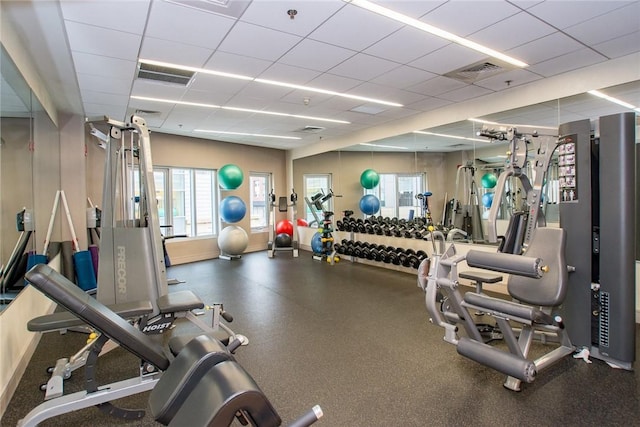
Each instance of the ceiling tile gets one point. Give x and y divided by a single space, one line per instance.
289 74
154 89
436 86
512 31
403 77
237 64
620 46
606 27
273 14
100 41
466 17
514 77
406 45
563 14
94 97
333 82
570 61
104 84
113 111
342 29
176 53
429 104
185 25
130 16
364 67
273 44
315 55
449 58
218 90
545 48
86 63
467 92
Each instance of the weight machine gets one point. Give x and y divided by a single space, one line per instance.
521 144
283 206
131 266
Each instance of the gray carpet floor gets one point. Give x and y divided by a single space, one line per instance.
356 340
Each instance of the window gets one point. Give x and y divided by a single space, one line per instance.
191 208
397 194
314 184
259 203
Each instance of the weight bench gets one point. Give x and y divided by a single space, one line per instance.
194 363
171 307
537 283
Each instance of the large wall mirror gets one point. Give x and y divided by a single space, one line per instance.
440 152
23 126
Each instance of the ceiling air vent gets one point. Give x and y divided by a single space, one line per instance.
478 71
146 113
310 129
164 74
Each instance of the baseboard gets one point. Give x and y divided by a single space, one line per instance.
13 382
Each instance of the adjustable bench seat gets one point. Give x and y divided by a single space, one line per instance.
179 301
66 320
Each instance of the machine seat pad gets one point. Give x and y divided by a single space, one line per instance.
61 290
179 301
65 320
508 308
226 389
479 276
177 382
177 343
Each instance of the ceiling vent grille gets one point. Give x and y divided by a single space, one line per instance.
229 8
164 74
310 129
478 71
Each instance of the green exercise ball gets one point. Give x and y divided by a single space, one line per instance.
230 177
489 180
369 179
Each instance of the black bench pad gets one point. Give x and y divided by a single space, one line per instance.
179 301
67 294
66 320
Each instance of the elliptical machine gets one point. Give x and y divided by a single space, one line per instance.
276 241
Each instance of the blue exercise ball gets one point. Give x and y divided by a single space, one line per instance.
369 204
487 200
232 209
316 243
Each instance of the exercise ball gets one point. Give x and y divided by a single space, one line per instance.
489 180
230 177
233 240
369 204
487 200
283 240
302 222
284 226
369 179
232 209
316 243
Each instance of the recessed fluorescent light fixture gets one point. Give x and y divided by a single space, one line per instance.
487 122
365 4
245 134
244 110
269 82
383 146
421 132
614 100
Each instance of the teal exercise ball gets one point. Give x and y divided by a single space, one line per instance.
489 180
369 204
487 200
230 177
232 209
369 179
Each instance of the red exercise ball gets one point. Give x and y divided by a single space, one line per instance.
302 222
284 226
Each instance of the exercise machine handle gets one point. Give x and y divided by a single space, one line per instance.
226 316
309 418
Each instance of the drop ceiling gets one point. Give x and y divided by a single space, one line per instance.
89 53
